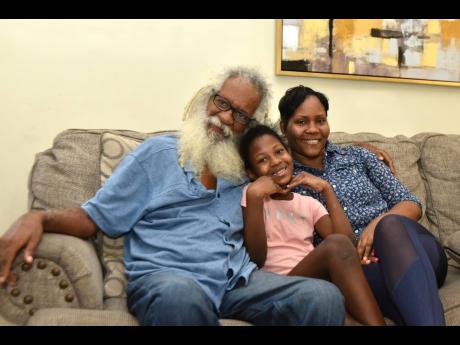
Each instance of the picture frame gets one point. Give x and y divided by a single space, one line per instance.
420 51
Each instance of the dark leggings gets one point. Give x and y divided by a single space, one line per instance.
412 266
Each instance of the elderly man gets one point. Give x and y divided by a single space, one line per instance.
177 202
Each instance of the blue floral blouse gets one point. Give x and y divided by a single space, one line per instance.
363 184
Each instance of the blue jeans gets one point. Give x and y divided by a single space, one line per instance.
269 299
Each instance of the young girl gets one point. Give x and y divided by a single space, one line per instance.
279 224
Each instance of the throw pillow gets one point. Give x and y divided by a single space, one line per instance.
114 148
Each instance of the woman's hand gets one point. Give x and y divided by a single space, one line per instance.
365 244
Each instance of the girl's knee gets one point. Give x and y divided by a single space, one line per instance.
339 243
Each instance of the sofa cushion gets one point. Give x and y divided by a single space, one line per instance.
113 149
440 166
67 174
453 246
450 296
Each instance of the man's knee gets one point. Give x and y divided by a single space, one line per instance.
174 300
320 302
330 303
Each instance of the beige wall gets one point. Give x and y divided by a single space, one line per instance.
139 74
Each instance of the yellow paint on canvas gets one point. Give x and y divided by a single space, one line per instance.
311 32
430 53
388 57
351 67
343 30
348 31
362 27
450 32
361 46
433 27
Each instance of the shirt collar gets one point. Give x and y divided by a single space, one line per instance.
333 148
329 152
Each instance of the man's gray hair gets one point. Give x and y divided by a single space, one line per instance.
252 75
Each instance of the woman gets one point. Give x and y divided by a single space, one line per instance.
404 264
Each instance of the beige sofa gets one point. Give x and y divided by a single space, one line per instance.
81 282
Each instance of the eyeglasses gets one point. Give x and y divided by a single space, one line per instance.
224 105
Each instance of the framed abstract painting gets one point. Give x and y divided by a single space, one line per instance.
423 51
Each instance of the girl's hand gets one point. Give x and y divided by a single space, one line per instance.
308 180
264 186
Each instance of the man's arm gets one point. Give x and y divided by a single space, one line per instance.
27 232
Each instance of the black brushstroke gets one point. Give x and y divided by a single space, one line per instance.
386 33
331 39
295 65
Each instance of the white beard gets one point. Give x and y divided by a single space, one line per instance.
206 148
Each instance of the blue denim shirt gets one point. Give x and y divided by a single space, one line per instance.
364 185
171 222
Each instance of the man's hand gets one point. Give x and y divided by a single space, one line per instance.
25 232
381 154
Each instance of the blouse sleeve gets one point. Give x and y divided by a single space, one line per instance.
392 190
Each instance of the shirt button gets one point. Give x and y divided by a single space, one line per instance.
356 231
324 174
333 186
345 208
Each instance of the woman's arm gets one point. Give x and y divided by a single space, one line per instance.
365 243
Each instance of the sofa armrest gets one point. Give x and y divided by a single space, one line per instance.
65 273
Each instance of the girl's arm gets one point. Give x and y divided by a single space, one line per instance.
255 237
337 222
